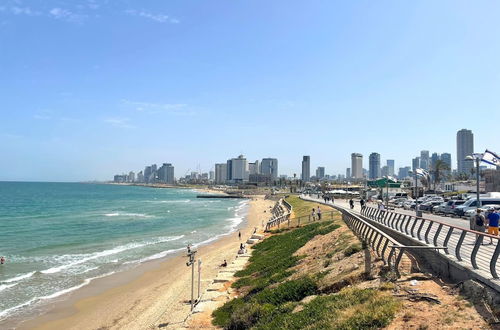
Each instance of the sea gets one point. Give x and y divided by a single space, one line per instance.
58 237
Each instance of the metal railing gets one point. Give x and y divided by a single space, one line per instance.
276 221
465 244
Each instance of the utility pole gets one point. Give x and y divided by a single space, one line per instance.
191 254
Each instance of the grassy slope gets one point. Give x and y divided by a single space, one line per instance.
270 299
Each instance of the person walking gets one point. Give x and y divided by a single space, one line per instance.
319 213
239 234
493 220
313 214
479 223
351 203
362 203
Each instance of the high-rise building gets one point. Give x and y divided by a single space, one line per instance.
220 173
131 177
320 172
253 168
434 158
446 158
229 169
390 167
424 159
348 173
404 172
374 166
415 163
269 166
140 177
465 147
306 168
384 171
356 166
239 169
211 175
166 173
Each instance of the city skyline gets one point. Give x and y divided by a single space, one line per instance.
106 87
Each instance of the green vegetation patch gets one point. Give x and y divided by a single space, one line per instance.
272 257
349 309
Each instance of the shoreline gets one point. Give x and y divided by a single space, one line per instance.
154 292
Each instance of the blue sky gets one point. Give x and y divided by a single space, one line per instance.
93 88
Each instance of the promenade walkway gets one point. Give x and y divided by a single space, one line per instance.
434 234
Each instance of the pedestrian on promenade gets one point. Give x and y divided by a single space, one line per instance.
479 222
351 203
493 220
362 203
319 213
313 214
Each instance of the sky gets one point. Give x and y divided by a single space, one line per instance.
93 88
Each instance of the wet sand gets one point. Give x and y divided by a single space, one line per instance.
153 294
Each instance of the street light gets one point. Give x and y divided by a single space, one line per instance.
477 159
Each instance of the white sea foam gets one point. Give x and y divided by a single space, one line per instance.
6 286
135 215
87 257
8 311
19 277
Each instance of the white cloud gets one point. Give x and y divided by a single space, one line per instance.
153 108
119 122
160 18
66 15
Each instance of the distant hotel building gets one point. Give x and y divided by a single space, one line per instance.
374 166
320 173
306 169
356 166
220 173
269 166
166 173
415 163
390 167
465 147
424 159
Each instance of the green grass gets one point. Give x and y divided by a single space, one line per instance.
271 300
272 258
301 207
349 309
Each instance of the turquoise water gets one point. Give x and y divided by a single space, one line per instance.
57 237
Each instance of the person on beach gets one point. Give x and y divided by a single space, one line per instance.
2 260
313 214
239 235
224 264
319 213
493 220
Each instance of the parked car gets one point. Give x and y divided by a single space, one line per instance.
440 208
428 206
471 204
451 205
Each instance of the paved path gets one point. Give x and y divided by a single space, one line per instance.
484 254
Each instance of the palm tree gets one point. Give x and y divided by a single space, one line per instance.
438 170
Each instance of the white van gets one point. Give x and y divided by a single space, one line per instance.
472 204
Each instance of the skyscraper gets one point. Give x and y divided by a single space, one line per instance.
356 166
348 173
220 173
465 147
320 172
446 158
239 169
434 158
269 166
424 159
166 173
415 163
374 166
306 168
390 167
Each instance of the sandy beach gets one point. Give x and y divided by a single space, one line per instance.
153 294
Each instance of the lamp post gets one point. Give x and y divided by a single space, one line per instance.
477 159
191 254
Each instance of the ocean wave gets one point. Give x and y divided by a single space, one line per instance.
171 202
19 277
135 215
6 286
87 257
8 311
